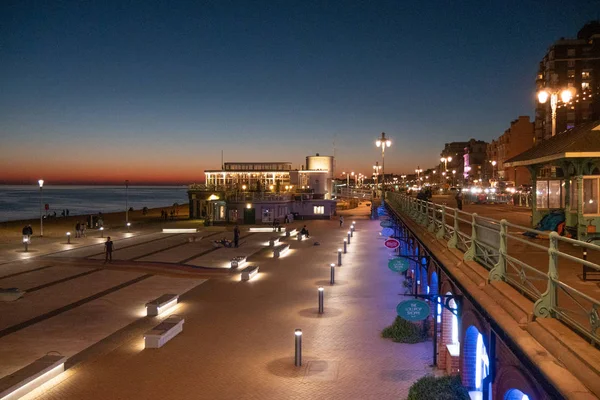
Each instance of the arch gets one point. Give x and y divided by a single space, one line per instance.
516 394
511 380
449 336
476 363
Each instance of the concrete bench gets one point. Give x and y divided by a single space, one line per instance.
280 250
274 241
301 236
160 305
30 377
249 272
179 230
163 332
292 232
238 261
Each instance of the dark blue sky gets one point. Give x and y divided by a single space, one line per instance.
159 88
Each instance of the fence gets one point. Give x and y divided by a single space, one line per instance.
533 267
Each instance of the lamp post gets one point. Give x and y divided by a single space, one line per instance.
446 160
127 203
493 169
418 171
41 183
383 142
453 177
565 95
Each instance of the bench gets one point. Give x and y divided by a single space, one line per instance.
160 305
163 332
301 236
30 377
280 250
249 272
179 230
267 229
274 241
238 261
292 232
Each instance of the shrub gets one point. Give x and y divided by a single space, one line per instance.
440 388
404 331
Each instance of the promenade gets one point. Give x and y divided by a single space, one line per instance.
238 337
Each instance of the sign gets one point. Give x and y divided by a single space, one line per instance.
413 310
387 232
47 206
391 244
386 223
398 264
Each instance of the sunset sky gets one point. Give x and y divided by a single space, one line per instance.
152 91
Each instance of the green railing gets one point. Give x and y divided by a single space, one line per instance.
529 265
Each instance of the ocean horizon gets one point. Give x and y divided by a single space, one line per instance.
20 202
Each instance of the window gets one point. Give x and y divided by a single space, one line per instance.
571 63
554 196
585 85
590 195
571 52
585 75
571 74
319 209
541 198
574 195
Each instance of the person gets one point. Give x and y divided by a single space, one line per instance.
78 229
108 249
27 231
304 231
67 212
459 199
236 236
83 228
341 221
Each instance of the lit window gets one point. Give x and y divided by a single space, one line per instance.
571 73
319 209
585 75
590 196
585 85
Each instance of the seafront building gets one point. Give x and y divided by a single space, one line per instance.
262 192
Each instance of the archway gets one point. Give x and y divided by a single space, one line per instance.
476 362
515 394
449 346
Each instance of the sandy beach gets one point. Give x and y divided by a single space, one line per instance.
10 231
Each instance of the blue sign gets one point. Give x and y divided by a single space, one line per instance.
413 310
387 232
398 264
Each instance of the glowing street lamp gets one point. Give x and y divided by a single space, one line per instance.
565 95
127 202
41 183
446 160
383 142
493 162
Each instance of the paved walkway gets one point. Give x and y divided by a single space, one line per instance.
238 338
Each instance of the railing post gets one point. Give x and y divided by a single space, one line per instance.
498 273
453 242
425 213
544 307
442 231
472 251
431 227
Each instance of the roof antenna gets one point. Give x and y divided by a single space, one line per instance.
222 165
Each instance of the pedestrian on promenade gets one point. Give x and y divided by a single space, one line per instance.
341 221
78 229
28 231
67 212
459 199
108 249
304 231
236 236
83 228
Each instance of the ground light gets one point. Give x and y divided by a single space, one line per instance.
320 290
68 237
101 231
298 347
345 246
332 274
339 257
26 243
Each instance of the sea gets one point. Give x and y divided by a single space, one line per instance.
23 202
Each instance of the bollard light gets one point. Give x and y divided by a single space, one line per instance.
321 299
128 225
348 237
351 231
332 275
339 257
102 231
345 246
26 243
68 237
298 348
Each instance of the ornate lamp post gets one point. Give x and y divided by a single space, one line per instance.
41 183
565 95
383 142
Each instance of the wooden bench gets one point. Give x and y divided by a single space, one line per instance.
249 272
160 305
278 251
163 332
238 261
30 377
292 232
179 230
274 241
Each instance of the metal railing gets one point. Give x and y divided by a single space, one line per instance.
508 252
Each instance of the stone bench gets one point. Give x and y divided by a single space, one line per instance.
30 377
159 305
163 332
301 236
238 261
274 241
266 229
292 232
179 230
249 272
278 251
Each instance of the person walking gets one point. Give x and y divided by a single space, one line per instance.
83 228
108 249
78 229
341 221
236 236
459 200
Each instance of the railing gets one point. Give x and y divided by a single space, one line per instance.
531 266
355 193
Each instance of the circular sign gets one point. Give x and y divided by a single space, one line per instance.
398 264
413 310
386 224
387 232
391 243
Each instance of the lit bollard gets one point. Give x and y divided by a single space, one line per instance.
298 348
352 231
348 237
345 246
101 231
332 277
128 226
321 299
339 257
26 243
68 237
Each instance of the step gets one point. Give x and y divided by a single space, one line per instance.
511 301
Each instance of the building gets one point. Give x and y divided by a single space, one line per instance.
262 192
474 160
572 64
515 140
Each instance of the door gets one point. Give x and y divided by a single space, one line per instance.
249 216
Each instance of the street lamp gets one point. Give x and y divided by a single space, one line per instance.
493 169
41 183
127 202
446 160
565 95
453 177
418 171
383 142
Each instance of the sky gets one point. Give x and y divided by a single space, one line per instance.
153 91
